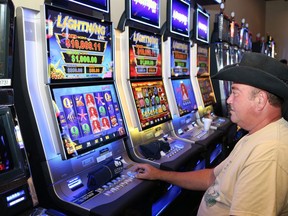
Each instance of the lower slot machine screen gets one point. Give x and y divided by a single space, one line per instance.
151 103
207 91
184 95
11 161
88 116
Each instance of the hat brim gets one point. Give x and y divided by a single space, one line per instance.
253 77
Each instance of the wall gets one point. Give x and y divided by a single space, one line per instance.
276 25
253 12
33 4
264 17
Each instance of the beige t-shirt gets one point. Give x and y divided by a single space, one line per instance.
253 180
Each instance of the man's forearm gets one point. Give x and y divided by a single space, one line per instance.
192 180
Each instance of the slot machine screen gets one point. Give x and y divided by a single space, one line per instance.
247 38
151 103
144 12
234 33
244 38
101 5
184 95
225 29
237 35
207 91
202 26
6 42
179 17
11 161
78 46
88 116
145 58
180 58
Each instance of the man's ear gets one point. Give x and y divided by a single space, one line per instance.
262 99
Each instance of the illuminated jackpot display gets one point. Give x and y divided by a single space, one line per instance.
180 58
151 103
203 76
203 61
78 47
144 54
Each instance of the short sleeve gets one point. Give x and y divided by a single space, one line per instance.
256 191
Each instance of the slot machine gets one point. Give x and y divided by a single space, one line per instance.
70 105
220 57
215 142
227 47
142 90
144 96
234 40
177 76
16 184
244 37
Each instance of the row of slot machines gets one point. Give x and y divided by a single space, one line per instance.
87 101
229 41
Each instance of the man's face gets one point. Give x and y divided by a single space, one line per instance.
242 105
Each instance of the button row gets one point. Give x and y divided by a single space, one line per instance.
117 184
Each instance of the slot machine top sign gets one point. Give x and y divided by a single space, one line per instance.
78 47
145 12
100 5
202 26
179 17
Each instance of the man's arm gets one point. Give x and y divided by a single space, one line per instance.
192 180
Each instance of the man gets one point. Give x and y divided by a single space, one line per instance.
253 179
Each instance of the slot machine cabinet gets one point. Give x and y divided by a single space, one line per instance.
225 50
176 70
142 89
220 57
74 122
234 40
16 184
202 67
143 95
181 93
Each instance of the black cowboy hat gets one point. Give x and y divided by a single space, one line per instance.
260 71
